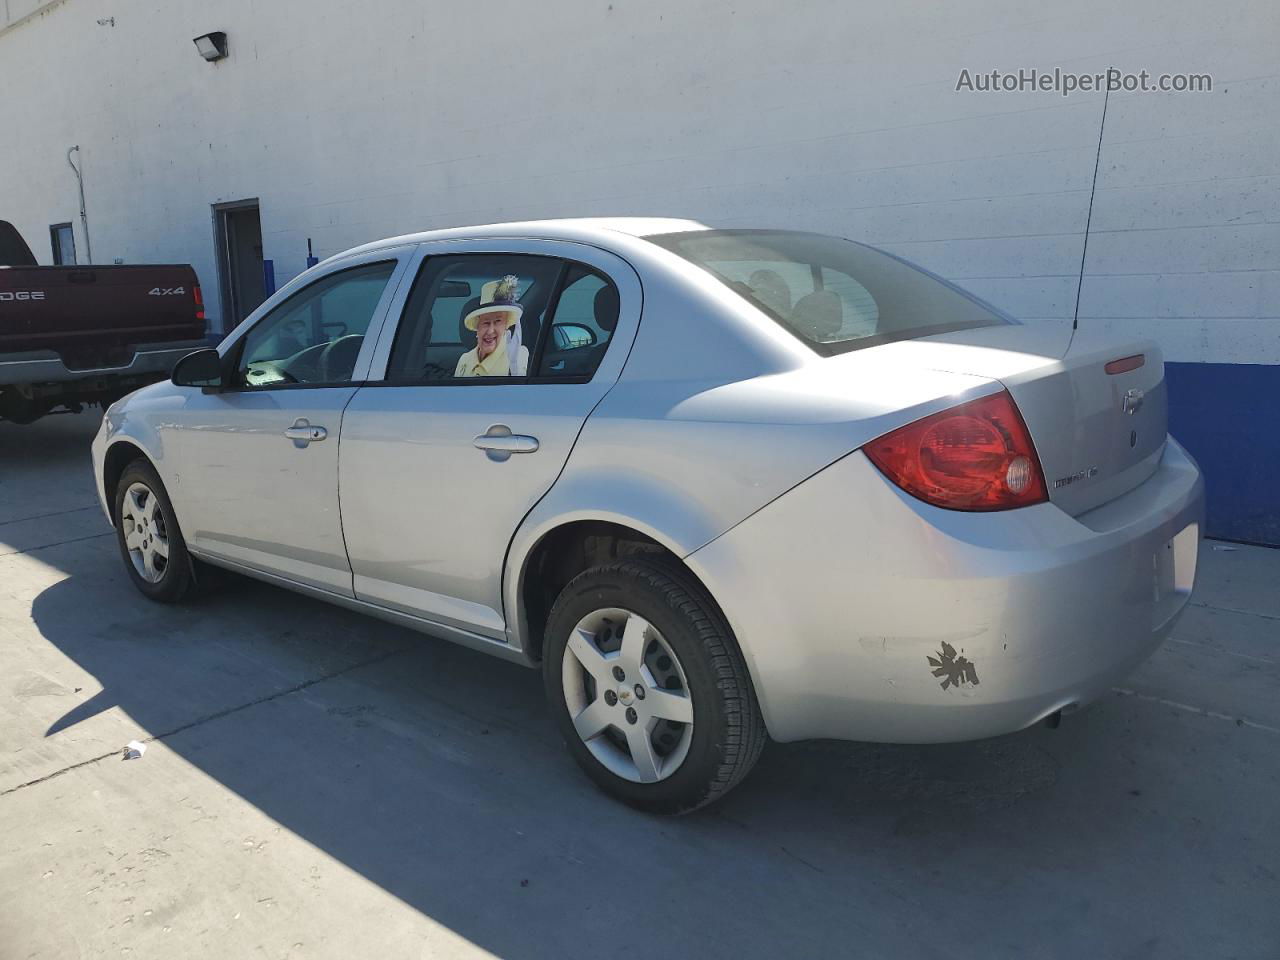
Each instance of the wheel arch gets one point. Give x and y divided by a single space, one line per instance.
118 456
562 550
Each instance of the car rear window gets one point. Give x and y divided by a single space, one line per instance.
835 295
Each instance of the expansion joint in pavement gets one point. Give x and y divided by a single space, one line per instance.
59 543
214 716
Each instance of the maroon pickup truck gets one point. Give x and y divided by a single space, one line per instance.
71 336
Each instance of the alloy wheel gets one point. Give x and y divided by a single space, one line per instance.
627 695
146 535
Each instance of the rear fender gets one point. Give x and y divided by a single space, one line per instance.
665 514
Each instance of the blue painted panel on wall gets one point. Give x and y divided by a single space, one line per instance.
1228 416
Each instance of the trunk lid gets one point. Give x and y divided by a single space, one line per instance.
1098 434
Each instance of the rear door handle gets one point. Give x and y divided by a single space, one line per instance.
499 443
303 432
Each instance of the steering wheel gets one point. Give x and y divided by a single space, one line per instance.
350 342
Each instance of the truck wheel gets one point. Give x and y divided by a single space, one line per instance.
649 688
17 407
150 539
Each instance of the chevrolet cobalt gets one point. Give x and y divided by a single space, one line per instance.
717 485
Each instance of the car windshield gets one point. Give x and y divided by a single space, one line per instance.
835 295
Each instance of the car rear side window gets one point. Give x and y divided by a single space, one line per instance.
833 294
483 317
586 313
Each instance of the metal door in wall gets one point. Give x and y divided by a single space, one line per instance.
237 229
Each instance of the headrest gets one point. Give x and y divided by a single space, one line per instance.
465 334
821 312
606 308
770 289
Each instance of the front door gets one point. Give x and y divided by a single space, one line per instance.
496 364
257 462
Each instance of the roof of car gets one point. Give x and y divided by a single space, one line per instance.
586 229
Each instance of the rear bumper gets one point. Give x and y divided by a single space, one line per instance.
865 614
45 366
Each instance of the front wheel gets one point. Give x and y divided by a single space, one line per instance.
150 540
649 688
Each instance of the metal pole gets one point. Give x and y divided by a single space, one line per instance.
84 217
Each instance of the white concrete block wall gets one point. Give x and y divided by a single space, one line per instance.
354 121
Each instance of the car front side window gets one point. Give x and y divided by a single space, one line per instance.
315 335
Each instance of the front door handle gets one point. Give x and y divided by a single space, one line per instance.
303 432
499 443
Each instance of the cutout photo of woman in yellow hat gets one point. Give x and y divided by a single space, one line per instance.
496 322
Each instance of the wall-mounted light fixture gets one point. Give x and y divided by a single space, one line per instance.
212 46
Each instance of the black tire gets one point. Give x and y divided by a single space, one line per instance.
176 581
728 731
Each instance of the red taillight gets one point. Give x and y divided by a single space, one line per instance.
195 288
977 456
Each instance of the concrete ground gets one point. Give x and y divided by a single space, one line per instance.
321 785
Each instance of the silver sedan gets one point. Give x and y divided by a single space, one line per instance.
717 485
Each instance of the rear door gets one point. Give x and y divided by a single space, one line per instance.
439 467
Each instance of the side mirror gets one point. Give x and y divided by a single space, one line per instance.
200 369
570 336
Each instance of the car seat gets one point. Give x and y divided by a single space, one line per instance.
605 306
820 314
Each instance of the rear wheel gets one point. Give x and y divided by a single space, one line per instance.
150 540
649 688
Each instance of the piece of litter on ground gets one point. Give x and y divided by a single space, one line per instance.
134 749
1223 548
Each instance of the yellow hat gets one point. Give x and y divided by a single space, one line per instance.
497 296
